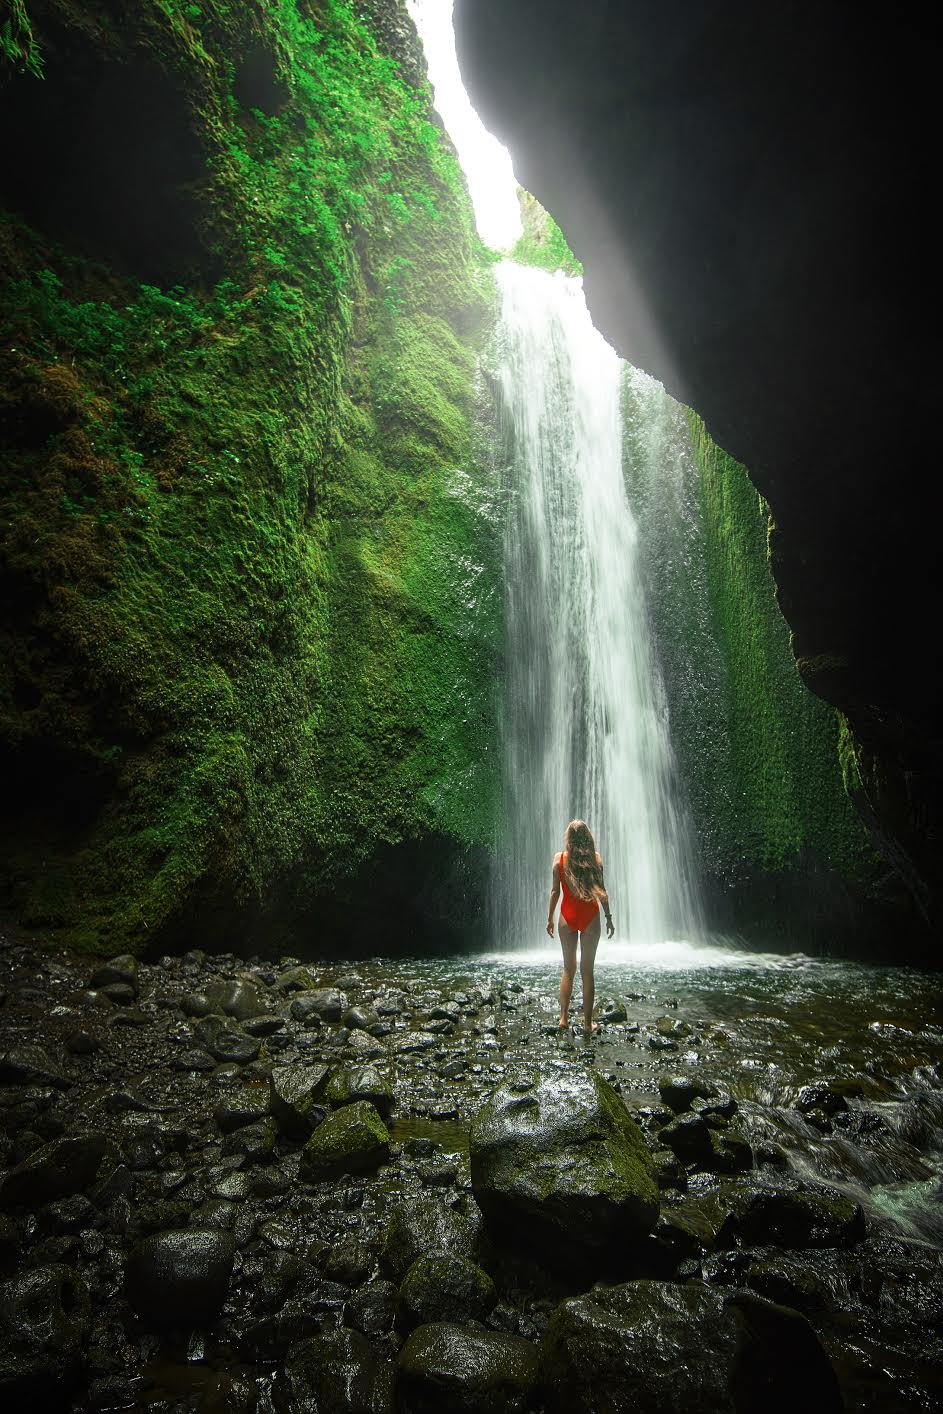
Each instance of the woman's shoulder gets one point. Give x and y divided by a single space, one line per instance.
599 858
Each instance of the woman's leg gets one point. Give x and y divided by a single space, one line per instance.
589 941
568 944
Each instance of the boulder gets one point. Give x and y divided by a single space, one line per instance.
237 998
760 1214
26 1064
556 1157
119 971
226 1041
689 1138
247 1105
679 1092
689 1349
425 1224
180 1277
337 1372
292 1089
451 1367
59 1169
352 1140
327 1003
443 1287
45 1317
348 1084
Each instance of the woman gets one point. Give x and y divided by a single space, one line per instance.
578 871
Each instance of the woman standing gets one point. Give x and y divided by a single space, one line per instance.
577 870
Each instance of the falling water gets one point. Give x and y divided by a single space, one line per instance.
585 724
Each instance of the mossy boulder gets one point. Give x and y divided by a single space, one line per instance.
650 1345
558 1157
446 1366
338 1371
426 1225
443 1287
351 1140
348 1084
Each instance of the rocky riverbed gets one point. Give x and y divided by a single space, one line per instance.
253 1185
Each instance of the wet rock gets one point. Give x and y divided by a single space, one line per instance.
26 1064
180 1277
296 979
254 1142
689 1138
305 1011
82 1043
196 1004
117 971
445 1366
349 1261
237 998
821 1096
45 1317
425 1224
292 1090
682 1350
266 1025
247 1106
57 1170
729 1154
717 1106
443 1287
348 1084
412 1042
359 1018
120 994
371 1309
194 1058
760 1215
327 1003
553 1155
350 1140
227 1041
779 1365
679 1092
612 1013
789 1283
339 1371
669 1170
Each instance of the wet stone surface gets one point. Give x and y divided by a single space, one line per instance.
246 1185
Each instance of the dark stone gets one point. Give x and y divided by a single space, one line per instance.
237 998
679 1092
120 994
45 1317
180 1277
196 1004
820 1097
82 1043
443 1287
247 1105
556 1154
760 1215
120 971
359 1018
325 1003
292 1089
689 1138
371 1309
339 1371
349 1261
348 1084
26 1064
450 1367
425 1224
57 1170
351 1140
254 1142
227 1041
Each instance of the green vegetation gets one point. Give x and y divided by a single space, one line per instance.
18 47
542 243
251 561
784 797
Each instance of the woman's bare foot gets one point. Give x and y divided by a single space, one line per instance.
564 1022
590 1030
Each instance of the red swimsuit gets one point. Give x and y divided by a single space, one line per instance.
577 912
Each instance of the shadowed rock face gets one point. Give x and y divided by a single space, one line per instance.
745 188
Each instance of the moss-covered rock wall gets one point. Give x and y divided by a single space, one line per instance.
247 540
785 855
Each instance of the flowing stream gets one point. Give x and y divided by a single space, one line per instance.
585 728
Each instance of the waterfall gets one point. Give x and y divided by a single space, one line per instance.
585 730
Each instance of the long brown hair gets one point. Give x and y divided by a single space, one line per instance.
583 874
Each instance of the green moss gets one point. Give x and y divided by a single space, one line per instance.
542 243
251 559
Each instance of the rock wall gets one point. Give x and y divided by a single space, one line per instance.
248 556
785 858
744 187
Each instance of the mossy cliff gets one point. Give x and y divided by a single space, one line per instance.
248 549
784 852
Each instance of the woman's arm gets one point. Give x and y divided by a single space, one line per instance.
554 894
602 895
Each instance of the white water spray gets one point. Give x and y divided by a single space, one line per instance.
585 724
585 728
